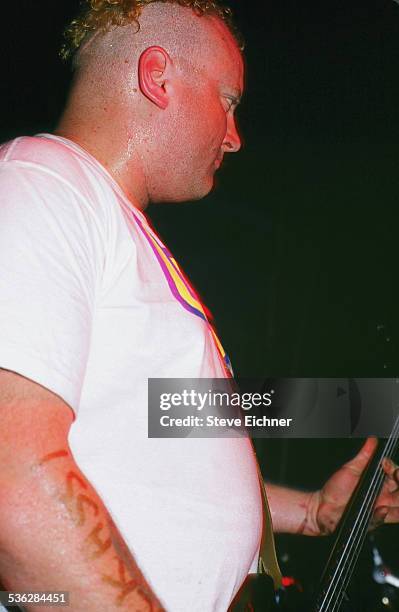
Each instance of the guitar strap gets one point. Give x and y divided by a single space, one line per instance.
267 562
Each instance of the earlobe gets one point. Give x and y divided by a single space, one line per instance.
152 75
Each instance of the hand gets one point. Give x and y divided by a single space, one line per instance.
328 504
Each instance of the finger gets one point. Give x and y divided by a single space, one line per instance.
358 463
392 516
391 469
385 514
379 516
390 487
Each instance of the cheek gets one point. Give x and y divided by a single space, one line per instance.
199 128
212 123
214 115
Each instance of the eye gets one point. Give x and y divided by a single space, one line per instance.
228 103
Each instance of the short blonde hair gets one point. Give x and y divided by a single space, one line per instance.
102 15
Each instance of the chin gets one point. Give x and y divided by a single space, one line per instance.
200 196
193 196
197 192
204 189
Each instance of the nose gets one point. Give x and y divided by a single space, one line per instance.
232 140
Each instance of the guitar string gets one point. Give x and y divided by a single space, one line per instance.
363 530
367 501
352 558
347 563
378 476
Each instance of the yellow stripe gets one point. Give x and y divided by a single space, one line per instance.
180 285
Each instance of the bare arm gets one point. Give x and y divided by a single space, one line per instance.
292 511
55 533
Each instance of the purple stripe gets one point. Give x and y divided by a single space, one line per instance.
171 283
174 289
182 278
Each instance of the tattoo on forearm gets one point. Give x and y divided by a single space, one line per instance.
126 586
98 541
100 546
75 503
144 594
71 476
56 455
81 501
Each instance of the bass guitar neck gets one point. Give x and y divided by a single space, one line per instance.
353 529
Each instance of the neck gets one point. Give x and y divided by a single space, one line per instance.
117 153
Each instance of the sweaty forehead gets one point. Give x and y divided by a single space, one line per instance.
221 43
217 54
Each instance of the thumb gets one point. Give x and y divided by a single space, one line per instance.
358 463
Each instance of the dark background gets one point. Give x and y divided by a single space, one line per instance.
295 250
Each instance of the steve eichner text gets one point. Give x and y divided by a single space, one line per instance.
197 400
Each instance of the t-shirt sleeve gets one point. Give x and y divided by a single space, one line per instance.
50 264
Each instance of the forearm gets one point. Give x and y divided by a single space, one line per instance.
293 511
56 535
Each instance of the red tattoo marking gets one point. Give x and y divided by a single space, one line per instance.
101 545
56 455
126 586
71 476
80 502
146 596
77 514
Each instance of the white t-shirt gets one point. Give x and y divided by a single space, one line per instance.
87 311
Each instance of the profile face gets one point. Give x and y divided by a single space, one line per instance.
203 124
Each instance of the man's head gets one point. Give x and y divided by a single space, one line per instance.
155 101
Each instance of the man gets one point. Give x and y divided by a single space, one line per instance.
92 305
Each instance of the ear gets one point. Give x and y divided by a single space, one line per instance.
153 63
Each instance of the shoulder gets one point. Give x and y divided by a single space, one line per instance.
58 164
41 153
48 172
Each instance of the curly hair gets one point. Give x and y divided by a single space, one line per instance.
102 15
